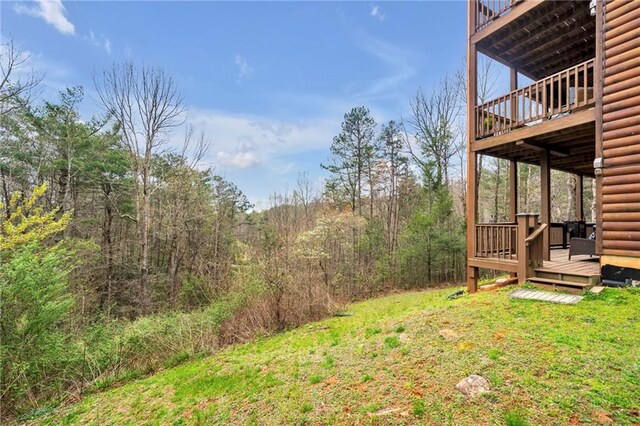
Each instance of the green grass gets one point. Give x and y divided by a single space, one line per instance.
547 364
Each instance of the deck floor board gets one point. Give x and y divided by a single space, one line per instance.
578 265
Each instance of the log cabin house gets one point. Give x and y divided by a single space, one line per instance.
579 112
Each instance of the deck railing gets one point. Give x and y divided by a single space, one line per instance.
488 10
497 240
545 99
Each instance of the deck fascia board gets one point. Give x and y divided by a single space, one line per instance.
529 132
497 264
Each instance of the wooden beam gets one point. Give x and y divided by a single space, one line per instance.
472 157
539 147
517 12
513 190
495 264
547 29
537 130
555 48
545 200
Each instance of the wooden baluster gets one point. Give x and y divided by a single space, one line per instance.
552 106
537 101
544 99
486 241
593 91
575 87
585 83
568 85
490 241
493 117
523 111
530 100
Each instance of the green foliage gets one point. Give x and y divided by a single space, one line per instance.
34 304
392 342
515 418
276 376
315 379
433 243
419 408
372 331
353 152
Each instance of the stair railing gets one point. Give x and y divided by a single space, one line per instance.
530 245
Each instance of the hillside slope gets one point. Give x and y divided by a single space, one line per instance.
388 364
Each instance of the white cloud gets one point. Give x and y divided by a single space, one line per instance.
238 160
377 13
99 41
244 70
242 142
52 11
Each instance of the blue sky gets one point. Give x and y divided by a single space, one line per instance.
268 82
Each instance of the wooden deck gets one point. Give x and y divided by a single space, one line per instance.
578 265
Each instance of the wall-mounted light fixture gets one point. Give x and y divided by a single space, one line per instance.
598 165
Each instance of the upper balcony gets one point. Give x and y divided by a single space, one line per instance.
550 98
537 37
555 113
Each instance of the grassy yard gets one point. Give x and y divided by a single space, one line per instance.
387 364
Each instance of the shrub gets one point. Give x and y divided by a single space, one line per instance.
34 305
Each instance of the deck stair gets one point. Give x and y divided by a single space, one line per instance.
573 281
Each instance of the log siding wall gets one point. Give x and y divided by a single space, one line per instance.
621 129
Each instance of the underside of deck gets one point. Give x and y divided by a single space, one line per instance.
572 148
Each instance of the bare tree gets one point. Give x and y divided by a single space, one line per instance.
146 104
15 89
304 193
433 119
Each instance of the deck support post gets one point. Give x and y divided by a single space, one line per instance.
513 165
598 71
472 217
513 77
513 190
545 201
472 156
526 222
579 198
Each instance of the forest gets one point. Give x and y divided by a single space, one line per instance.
120 254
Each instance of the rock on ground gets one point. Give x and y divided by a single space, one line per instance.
449 335
473 385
